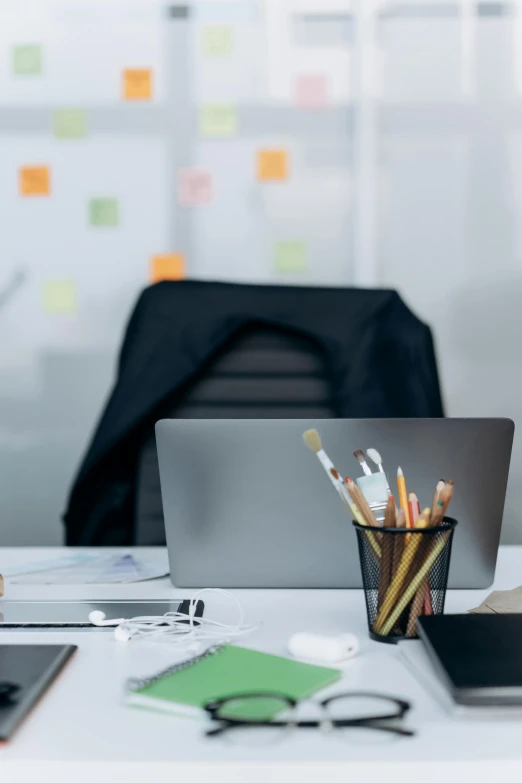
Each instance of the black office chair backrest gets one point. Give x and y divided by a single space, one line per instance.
261 373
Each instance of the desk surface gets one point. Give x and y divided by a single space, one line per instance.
82 718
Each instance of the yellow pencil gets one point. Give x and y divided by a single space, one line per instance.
403 568
403 496
414 585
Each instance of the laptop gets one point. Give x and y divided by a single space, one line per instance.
247 504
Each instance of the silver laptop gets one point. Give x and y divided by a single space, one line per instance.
247 504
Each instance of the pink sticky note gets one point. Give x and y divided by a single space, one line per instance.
195 187
311 92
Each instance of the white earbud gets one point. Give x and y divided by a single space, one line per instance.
183 630
122 634
99 619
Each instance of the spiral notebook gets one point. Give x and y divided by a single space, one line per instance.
225 671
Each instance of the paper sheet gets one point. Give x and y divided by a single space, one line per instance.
112 569
59 296
35 181
104 212
137 84
170 266
501 602
27 60
272 165
69 124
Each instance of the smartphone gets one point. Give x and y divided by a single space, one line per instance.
75 614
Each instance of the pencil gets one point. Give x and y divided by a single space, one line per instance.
442 503
418 608
414 585
362 504
393 591
385 572
413 508
438 489
403 496
398 544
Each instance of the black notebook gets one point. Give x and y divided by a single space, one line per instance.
478 656
26 671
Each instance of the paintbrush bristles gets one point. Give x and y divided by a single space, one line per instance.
312 440
359 456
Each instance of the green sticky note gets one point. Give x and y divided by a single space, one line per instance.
59 296
217 41
218 120
290 256
103 212
27 60
69 123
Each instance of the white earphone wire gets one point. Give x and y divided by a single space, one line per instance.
185 630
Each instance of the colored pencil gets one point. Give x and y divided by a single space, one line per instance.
400 575
403 496
410 591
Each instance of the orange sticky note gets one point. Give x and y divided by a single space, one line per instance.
170 266
272 165
35 181
137 84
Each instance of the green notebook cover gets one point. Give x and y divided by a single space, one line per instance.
229 671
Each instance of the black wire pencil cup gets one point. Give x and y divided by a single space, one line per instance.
404 554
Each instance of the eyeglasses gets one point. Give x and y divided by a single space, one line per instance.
274 714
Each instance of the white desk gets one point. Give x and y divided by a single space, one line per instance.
82 718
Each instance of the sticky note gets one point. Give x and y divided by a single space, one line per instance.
104 212
69 123
137 84
272 165
27 60
59 296
35 181
218 120
170 266
194 187
311 92
290 256
217 41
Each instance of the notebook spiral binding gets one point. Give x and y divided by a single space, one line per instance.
138 683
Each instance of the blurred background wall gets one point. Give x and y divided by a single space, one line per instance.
328 142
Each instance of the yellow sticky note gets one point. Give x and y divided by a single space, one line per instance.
217 41
218 120
272 165
35 181
59 296
290 256
170 266
137 84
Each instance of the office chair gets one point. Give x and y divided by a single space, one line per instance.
262 372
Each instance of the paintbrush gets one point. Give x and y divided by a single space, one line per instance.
376 457
359 455
313 441
361 502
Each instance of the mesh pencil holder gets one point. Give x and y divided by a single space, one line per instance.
405 576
